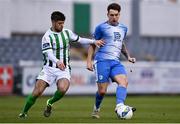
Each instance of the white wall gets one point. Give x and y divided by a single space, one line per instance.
99 13
160 18
5 19
34 15
157 18
145 78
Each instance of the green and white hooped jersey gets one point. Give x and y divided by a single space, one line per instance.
58 42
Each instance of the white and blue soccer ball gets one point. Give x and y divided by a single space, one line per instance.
124 112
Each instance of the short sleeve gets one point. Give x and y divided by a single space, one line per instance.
97 33
126 30
72 36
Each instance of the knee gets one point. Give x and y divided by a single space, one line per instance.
123 83
63 90
63 85
102 92
37 92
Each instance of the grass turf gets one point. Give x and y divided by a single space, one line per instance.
77 109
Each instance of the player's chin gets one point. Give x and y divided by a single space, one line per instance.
114 22
58 29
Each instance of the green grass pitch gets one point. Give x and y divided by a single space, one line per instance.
77 109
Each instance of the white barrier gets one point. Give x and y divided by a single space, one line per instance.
146 77
155 77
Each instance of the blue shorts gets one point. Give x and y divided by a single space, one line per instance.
108 69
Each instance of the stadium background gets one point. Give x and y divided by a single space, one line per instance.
153 38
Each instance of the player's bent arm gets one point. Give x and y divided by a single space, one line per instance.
126 53
51 56
91 51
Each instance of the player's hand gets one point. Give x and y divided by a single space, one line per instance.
132 60
60 65
99 43
89 66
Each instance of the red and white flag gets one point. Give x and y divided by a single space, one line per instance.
6 79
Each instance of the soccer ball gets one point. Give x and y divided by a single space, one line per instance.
124 112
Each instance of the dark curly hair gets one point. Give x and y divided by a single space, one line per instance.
114 6
57 16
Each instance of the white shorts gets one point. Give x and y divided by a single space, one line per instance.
52 75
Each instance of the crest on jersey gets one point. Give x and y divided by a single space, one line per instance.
100 77
117 36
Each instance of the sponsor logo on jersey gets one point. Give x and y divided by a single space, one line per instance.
46 45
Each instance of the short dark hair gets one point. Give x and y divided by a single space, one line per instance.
114 6
57 16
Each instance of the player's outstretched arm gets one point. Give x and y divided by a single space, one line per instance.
126 53
91 51
98 43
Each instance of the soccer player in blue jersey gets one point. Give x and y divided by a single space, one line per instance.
107 58
56 69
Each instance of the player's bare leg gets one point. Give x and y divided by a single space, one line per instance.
63 85
40 86
121 91
102 88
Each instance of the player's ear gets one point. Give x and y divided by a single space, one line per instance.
107 13
52 22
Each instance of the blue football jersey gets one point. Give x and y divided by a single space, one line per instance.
113 37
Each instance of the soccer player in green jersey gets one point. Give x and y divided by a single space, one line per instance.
56 69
